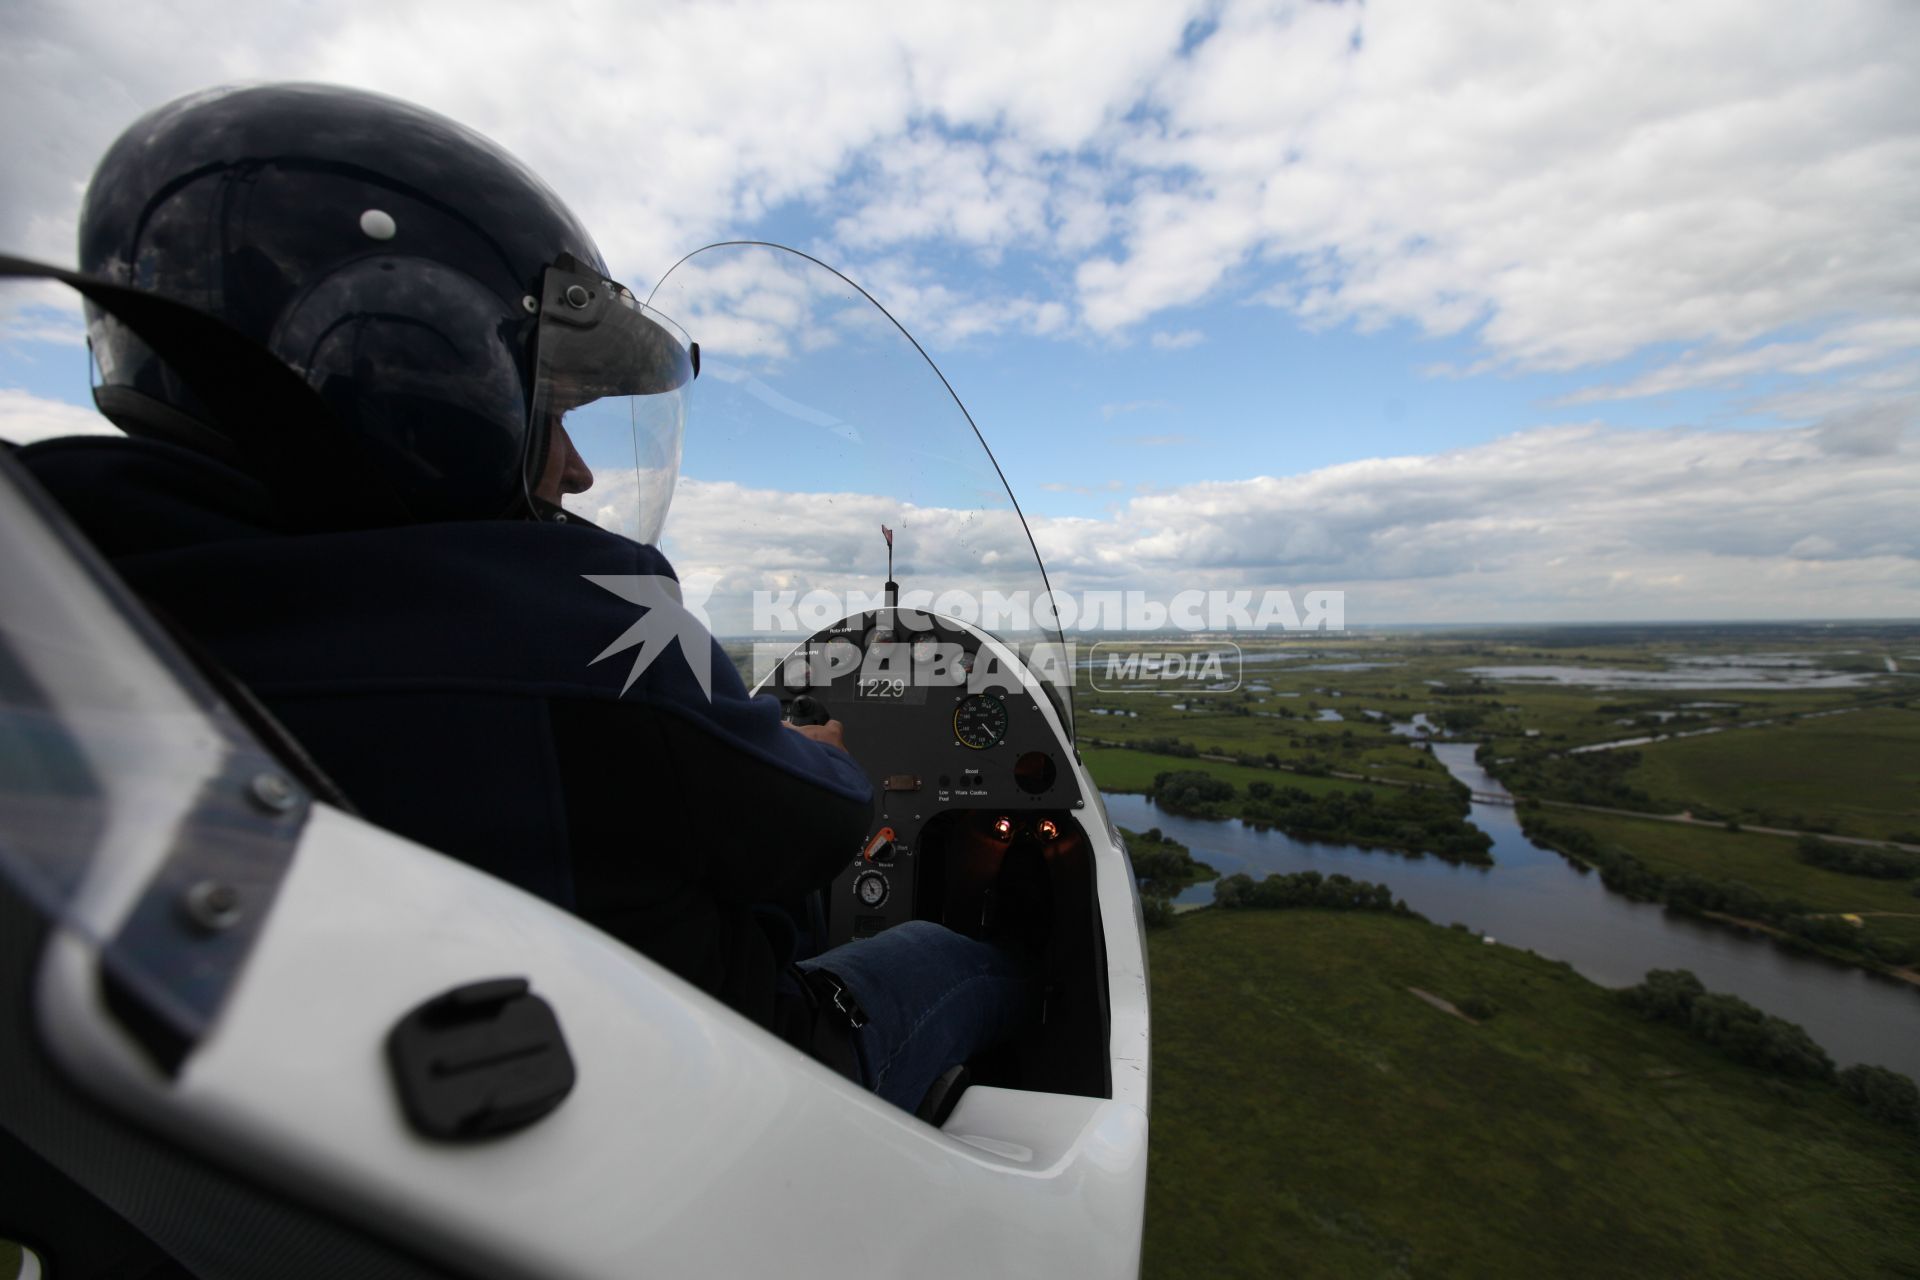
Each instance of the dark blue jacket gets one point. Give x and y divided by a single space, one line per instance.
444 676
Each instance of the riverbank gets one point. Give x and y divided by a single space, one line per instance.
1743 878
1385 711
1410 820
1313 1115
1713 874
1909 976
1536 898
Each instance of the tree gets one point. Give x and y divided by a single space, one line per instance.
1888 1096
1747 1035
1859 860
1232 891
1192 792
1666 995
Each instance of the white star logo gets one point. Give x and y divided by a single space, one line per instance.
669 617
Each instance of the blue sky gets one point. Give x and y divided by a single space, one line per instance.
1475 312
1259 396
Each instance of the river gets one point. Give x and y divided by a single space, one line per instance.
1535 899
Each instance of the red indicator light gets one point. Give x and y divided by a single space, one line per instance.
1003 827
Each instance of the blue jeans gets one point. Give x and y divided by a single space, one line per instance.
933 999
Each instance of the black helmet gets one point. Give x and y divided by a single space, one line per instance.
444 304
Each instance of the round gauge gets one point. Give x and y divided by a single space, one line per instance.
871 888
980 721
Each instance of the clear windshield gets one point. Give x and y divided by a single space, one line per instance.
818 429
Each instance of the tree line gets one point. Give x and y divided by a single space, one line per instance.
1859 859
1162 868
1416 819
1774 1045
1306 889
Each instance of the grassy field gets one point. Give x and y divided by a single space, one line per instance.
1285 727
1858 772
1120 769
1767 863
1313 1117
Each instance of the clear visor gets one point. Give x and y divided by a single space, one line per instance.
609 405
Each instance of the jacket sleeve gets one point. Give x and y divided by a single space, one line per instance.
716 791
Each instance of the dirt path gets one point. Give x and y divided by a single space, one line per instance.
1444 1006
1897 915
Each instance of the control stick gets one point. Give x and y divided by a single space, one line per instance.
807 709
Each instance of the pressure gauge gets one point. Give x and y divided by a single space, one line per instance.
980 721
871 888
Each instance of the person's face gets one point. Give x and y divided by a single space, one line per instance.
564 471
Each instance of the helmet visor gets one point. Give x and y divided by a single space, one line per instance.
609 405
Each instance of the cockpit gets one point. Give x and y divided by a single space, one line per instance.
972 771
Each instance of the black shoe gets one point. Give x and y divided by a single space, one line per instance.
943 1095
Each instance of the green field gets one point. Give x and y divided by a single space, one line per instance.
1119 769
1313 1117
1857 773
1276 711
1765 863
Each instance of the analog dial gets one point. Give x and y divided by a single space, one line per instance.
980 721
871 888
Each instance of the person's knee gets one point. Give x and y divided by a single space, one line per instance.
922 932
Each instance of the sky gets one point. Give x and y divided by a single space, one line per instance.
1475 311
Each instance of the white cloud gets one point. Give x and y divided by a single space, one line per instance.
1872 431
1585 180
931 187
1165 341
25 418
663 126
1843 347
947 316
42 313
750 540
1577 522
1575 182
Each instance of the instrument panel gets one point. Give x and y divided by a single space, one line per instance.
941 721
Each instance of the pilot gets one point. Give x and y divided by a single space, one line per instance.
350 498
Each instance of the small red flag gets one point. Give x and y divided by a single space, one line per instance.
888 535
